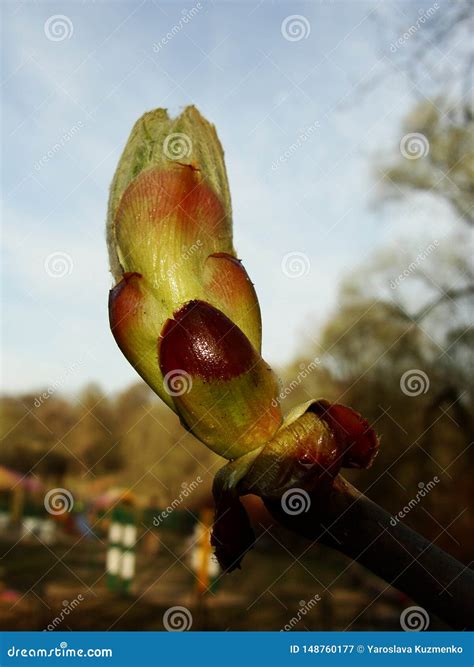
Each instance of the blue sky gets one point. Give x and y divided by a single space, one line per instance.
84 92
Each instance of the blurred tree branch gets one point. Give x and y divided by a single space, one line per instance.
446 167
418 56
449 294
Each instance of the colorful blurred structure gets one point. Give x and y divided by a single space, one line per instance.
120 562
202 559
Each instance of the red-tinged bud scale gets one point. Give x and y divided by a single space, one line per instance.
230 399
205 343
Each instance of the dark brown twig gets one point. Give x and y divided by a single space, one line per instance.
362 530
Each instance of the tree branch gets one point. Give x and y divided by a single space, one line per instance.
362 530
452 294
